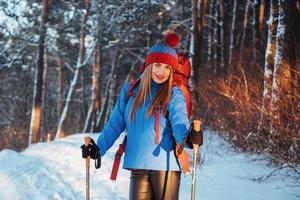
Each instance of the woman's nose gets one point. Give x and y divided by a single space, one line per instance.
163 71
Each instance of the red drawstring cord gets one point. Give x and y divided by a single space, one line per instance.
156 125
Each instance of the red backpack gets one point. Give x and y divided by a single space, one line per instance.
181 78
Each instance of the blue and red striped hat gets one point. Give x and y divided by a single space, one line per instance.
164 52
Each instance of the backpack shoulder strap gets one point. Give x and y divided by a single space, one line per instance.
187 94
132 85
185 90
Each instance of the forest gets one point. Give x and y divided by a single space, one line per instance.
62 64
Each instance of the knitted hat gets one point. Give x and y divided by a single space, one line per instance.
164 52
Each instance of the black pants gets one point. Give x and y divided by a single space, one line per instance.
154 185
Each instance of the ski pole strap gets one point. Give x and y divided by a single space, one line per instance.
98 162
97 157
118 156
129 93
180 147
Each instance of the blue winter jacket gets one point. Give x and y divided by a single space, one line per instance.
141 152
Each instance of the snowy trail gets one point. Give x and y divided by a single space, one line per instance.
56 171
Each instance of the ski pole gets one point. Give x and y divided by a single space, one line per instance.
197 126
87 141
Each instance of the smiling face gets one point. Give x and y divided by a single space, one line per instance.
160 72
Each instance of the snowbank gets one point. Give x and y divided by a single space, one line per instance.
55 170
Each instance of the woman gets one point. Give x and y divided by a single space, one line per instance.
149 153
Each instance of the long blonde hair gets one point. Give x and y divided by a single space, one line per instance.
161 99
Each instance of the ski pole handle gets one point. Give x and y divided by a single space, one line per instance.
87 141
197 127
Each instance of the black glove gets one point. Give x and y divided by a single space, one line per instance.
91 150
195 137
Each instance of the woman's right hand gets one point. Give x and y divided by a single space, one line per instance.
91 150
195 137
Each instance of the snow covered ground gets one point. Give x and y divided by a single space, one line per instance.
56 171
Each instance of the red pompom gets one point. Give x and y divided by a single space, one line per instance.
172 39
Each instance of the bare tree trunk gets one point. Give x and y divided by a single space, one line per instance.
285 59
60 95
198 22
222 38
259 21
80 62
96 91
161 20
97 88
111 98
232 33
112 93
38 80
209 36
244 32
196 45
216 38
101 115
294 124
43 135
226 21
253 23
261 17
194 40
83 107
269 67
107 103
